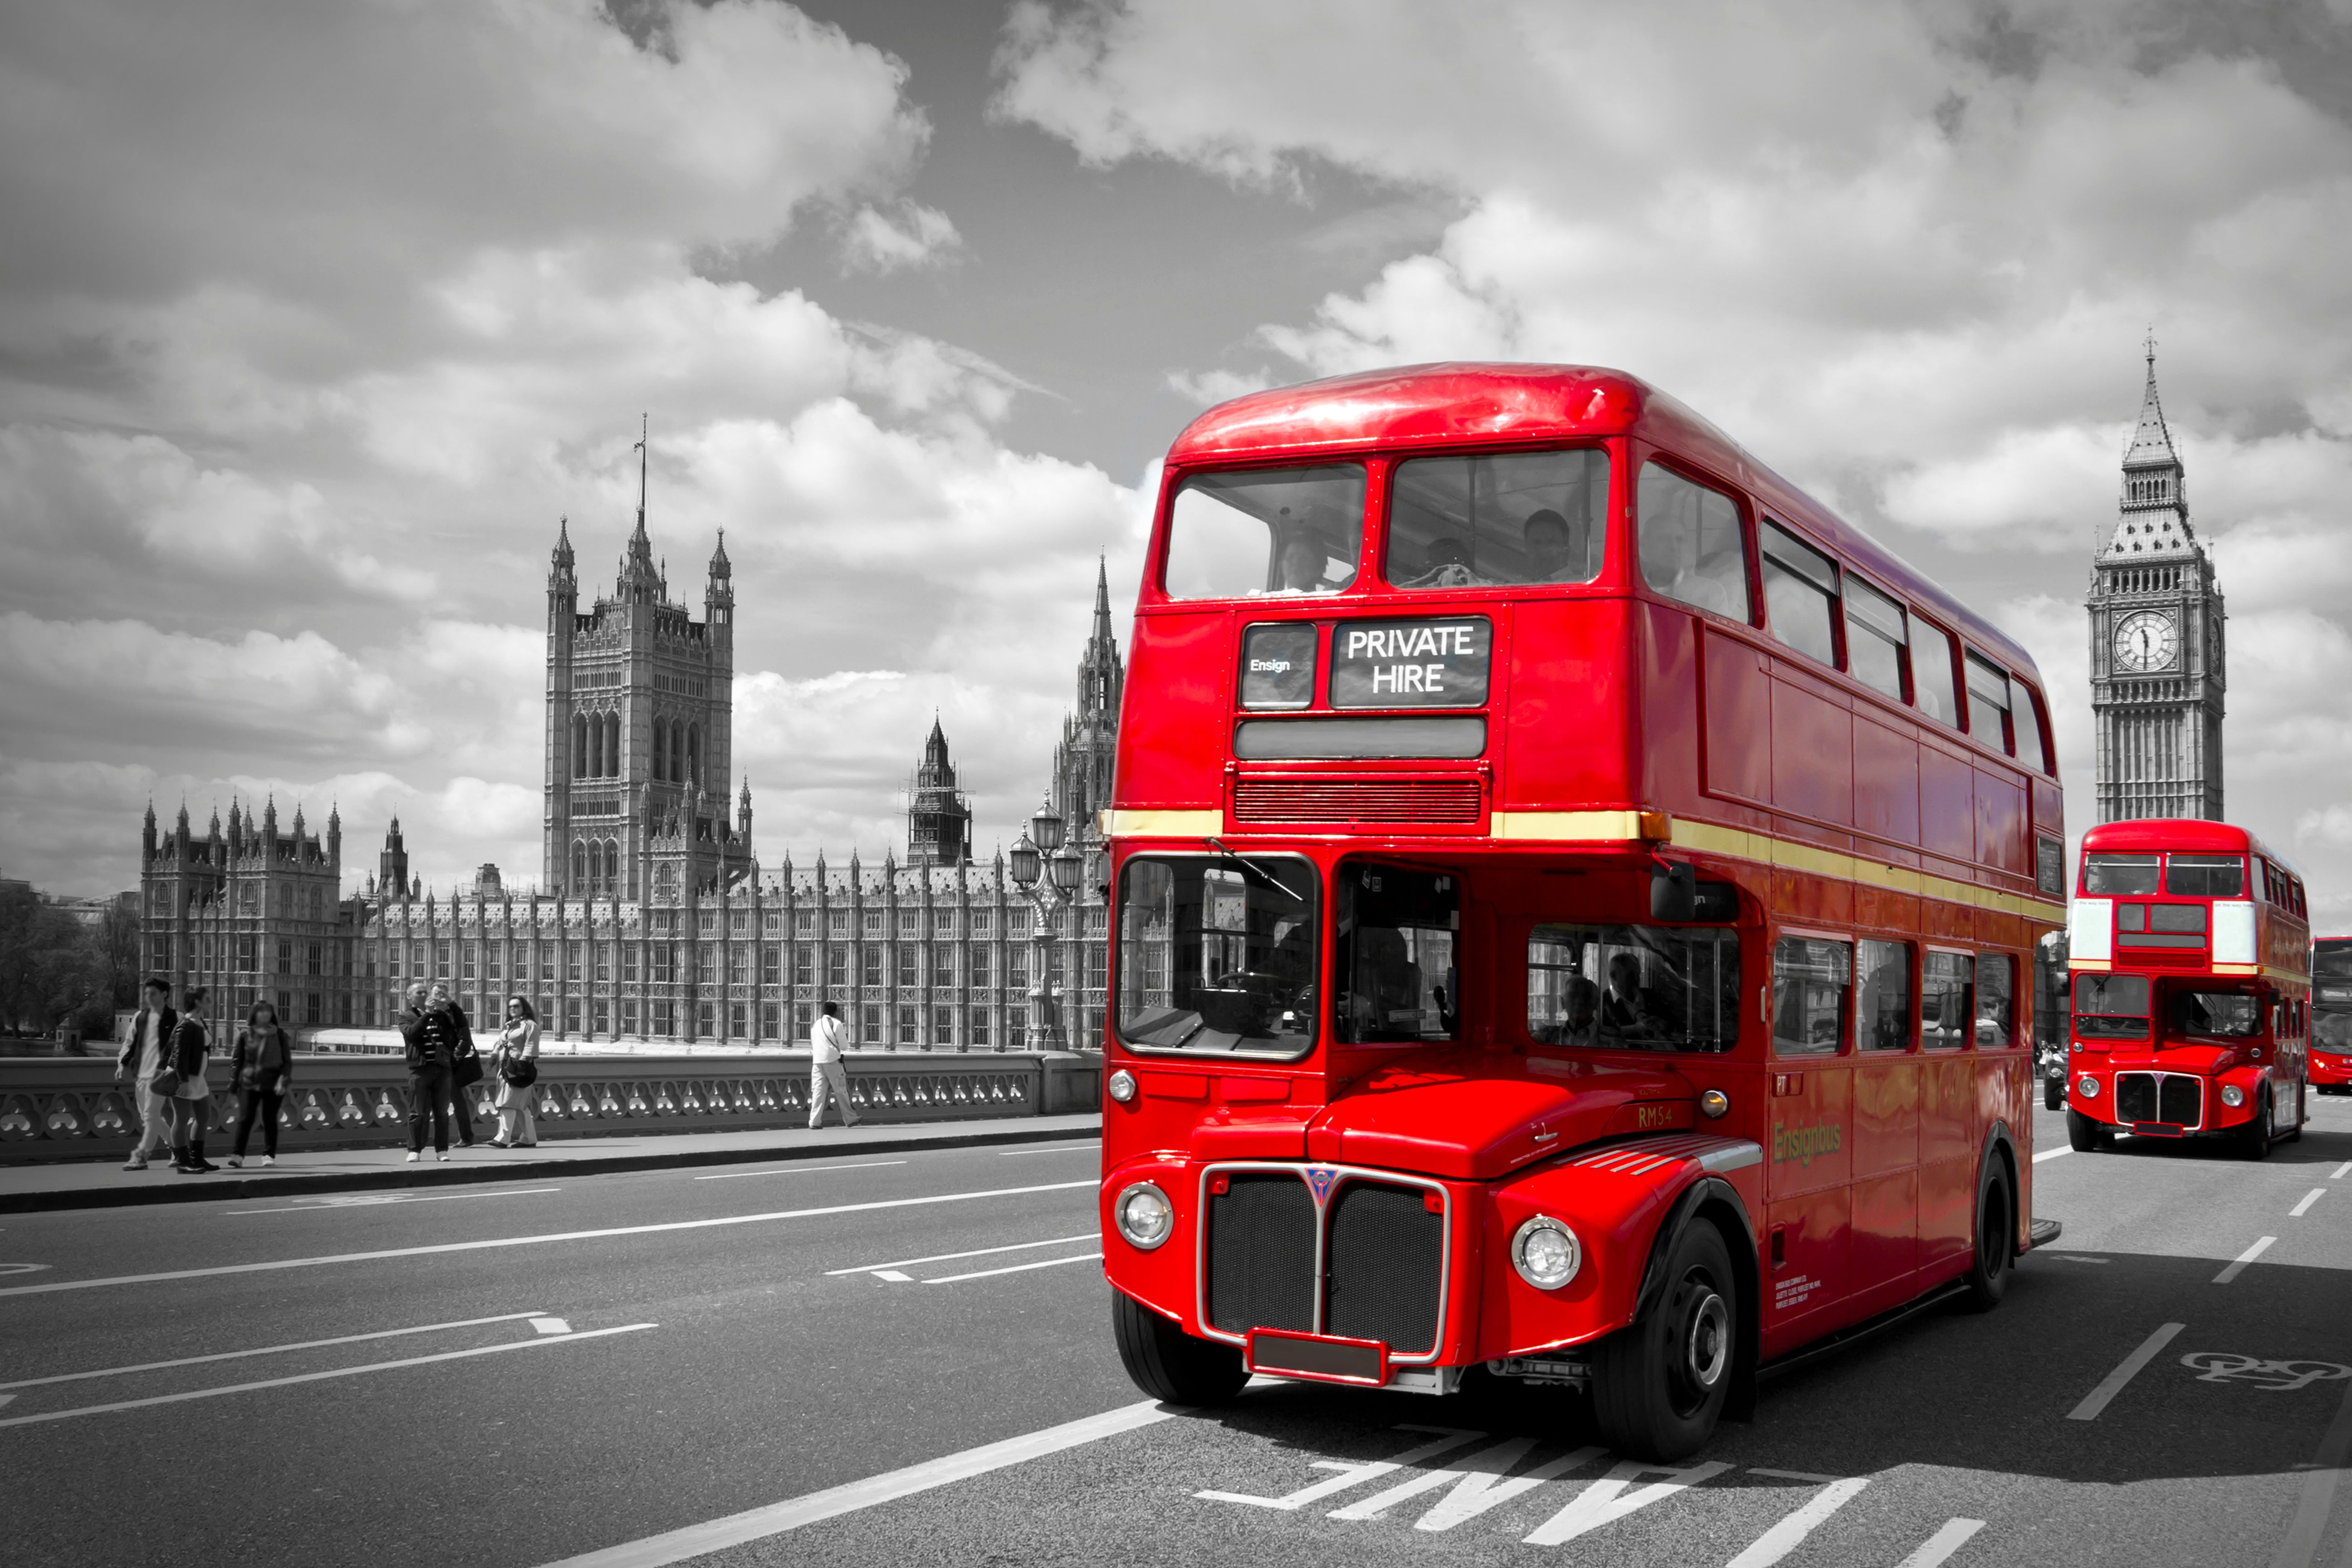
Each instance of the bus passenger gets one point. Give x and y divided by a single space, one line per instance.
1625 1010
1555 553
1445 563
1300 567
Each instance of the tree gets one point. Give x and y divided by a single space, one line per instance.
53 969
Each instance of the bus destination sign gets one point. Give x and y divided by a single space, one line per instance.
1410 664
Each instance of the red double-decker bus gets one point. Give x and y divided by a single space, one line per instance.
1574 902
2330 1070
2190 950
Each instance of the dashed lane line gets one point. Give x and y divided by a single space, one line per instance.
2309 1198
268 1350
553 1236
2113 1384
337 1205
1016 1269
2338 1174
1939 1548
2052 1153
797 1171
534 1343
2238 1264
951 1256
756 1525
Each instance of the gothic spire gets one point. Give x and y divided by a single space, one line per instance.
2152 511
2151 441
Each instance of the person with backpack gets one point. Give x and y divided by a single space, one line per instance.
261 1070
183 1087
516 1061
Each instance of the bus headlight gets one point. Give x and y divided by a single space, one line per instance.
1545 1253
2088 1086
1122 1086
2232 1096
1145 1216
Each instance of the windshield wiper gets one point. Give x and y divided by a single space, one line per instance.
1264 877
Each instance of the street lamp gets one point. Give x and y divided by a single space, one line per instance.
1046 829
1024 863
1064 866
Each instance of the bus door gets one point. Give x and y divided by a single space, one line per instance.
1809 1149
1885 1127
1948 1130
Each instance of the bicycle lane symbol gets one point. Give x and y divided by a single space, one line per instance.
2274 1376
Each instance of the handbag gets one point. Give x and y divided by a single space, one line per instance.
164 1084
467 1069
521 1073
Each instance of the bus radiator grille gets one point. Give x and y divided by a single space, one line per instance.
1453 802
2136 1097
1262 1254
2179 1100
1386 1262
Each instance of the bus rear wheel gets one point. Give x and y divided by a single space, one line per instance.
1996 1251
2084 1133
1658 1386
1167 1364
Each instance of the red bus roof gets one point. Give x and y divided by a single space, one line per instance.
1474 402
2190 834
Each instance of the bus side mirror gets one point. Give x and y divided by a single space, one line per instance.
1674 891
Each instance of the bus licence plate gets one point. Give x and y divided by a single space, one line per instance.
1321 1358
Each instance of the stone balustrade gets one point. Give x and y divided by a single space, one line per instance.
69 1108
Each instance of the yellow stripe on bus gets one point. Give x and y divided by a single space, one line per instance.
1163 824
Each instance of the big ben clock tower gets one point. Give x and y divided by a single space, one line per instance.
2159 659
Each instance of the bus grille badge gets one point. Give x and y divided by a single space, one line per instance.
1319 1177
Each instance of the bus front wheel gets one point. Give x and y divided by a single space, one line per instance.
1987 1274
2084 1134
2260 1132
1167 1364
1658 1386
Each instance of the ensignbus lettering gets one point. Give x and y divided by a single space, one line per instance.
1805 1144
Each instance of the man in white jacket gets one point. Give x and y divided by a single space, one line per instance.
826 1075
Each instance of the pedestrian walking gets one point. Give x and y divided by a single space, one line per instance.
191 1097
516 1061
261 1071
426 1043
140 1059
826 1075
465 1063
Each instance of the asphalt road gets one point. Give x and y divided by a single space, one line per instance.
575 1366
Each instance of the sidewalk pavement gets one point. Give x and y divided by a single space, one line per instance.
87 1184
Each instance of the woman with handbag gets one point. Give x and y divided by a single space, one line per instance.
261 1070
189 1096
516 1060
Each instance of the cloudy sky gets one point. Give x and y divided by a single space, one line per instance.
314 320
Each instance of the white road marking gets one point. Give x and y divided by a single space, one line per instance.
1353 1474
330 1205
2068 1257
2053 1154
320 1376
1092 1146
1475 1494
1790 1534
756 1525
2113 1384
2309 1525
951 1256
2238 1264
1496 1461
1016 1269
2309 1198
1806 1476
1939 1546
1607 1501
550 1325
797 1171
2338 1174
7 1398
893 1275
22 1268
267 1350
446 1246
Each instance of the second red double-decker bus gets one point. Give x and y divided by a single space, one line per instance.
2330 1069
2191 957
1574 897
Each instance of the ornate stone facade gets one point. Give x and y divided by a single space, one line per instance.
2159 656
654 922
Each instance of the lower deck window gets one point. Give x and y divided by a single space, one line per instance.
1947 992
2215 1014
2111 1007
1217 952
1623 987
1397 934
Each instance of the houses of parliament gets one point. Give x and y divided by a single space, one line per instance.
653 920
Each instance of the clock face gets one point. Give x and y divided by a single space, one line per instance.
2146 639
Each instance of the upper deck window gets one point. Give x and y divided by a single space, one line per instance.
1931 673
1690 545
2025 719
1877 633
2205 876
1643 988
2113 873
1988 703
1217 954
1265 530
1801 594
1518 518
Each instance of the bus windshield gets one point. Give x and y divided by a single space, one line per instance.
2111 1007
1642 988
1217 954
1397 954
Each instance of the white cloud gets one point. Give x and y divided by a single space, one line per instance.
910 235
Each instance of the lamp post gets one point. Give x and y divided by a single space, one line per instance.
1045 873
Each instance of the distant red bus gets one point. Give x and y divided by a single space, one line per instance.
1574 899
2191 956
2331 1014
